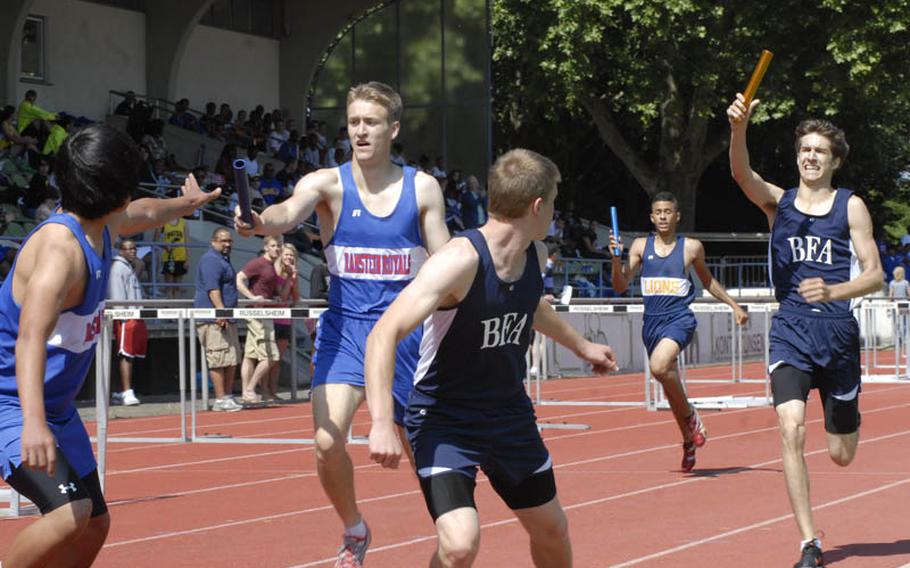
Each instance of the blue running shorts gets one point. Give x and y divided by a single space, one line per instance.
678 326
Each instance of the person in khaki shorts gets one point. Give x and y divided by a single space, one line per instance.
258 281
216 288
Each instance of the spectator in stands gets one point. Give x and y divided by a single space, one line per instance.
453 207
7 256
11 141
225 164
154 139
473 204
277 137
131 336
258 281
288 175
139 118
588 242
423 163
216 287
38 188
290 149
158 177
126 106
174 260
899 286
311 153
288 295
271 189
58 134
33 120
335 158
210 123
48 206
905 239
438 170
252 166
182 116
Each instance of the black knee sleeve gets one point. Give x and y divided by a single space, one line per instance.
534 491
446 492
841 416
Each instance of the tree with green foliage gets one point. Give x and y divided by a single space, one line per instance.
656 77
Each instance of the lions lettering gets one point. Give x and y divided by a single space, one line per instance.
503 330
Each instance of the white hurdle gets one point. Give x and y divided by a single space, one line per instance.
884 324
653 397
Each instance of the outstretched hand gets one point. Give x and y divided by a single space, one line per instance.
198 197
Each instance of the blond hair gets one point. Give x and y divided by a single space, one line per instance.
517 178
898 272
379 93
292 248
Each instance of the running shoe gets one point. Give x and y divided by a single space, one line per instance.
698 434
353 549
688 461
811 556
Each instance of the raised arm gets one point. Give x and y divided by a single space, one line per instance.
696 251
621 275
432 212
282 217
869 280
147 213
765 195
444 280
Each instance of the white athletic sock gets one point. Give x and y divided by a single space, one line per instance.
359 530
817 541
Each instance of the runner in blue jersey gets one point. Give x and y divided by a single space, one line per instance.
822 255
378 222
478 300
51 307
665 258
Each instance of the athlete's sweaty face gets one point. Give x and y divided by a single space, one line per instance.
370 131
815 160
665 216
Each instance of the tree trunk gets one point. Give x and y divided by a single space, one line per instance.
685 152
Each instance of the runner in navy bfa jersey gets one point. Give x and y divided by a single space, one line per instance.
51 305
818 233
378 221
665 259
479 299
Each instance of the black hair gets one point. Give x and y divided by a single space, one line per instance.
97 171
6 112
665 196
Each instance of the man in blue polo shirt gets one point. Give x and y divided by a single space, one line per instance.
216 287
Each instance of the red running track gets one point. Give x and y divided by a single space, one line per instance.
198 505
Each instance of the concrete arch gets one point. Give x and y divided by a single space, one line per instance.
10 30
310 36
168 25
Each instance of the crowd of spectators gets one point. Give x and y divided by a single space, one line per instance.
29 139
